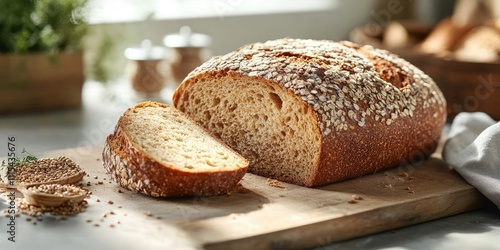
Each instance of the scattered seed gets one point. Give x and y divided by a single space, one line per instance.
411 191
356 197
274 183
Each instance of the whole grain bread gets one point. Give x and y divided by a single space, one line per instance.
315 112
157 150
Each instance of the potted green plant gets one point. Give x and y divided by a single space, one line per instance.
41 62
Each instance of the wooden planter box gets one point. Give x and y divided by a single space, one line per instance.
32 82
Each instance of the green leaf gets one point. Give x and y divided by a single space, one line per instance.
29 157
41 25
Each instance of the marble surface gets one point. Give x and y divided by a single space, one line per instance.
90 124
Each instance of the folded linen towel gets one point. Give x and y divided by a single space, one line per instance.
473 150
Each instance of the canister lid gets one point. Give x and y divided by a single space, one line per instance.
187 39
147 51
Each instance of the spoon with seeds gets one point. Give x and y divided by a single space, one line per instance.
58 170
53 195
49 171
66 180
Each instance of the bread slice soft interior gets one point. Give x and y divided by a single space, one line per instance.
175 141
274 130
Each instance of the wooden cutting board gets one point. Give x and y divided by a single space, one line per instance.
261 216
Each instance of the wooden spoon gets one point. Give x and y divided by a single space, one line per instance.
68 180
49 200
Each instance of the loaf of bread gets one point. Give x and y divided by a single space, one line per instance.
315 112
482 44
403 34
444 37
159 151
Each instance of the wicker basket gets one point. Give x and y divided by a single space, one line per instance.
467 86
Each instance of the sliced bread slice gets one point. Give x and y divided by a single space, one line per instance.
159 151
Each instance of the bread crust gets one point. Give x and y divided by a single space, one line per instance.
389 113
134 170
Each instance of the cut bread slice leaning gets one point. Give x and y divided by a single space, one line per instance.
159 151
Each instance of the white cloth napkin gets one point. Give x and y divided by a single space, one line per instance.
473 150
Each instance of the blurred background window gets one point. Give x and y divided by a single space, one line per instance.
109 11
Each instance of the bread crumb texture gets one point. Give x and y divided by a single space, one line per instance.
168 136
288 104
159 151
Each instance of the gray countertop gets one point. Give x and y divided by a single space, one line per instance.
90 124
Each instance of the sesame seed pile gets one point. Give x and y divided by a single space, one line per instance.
47 170
337 80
